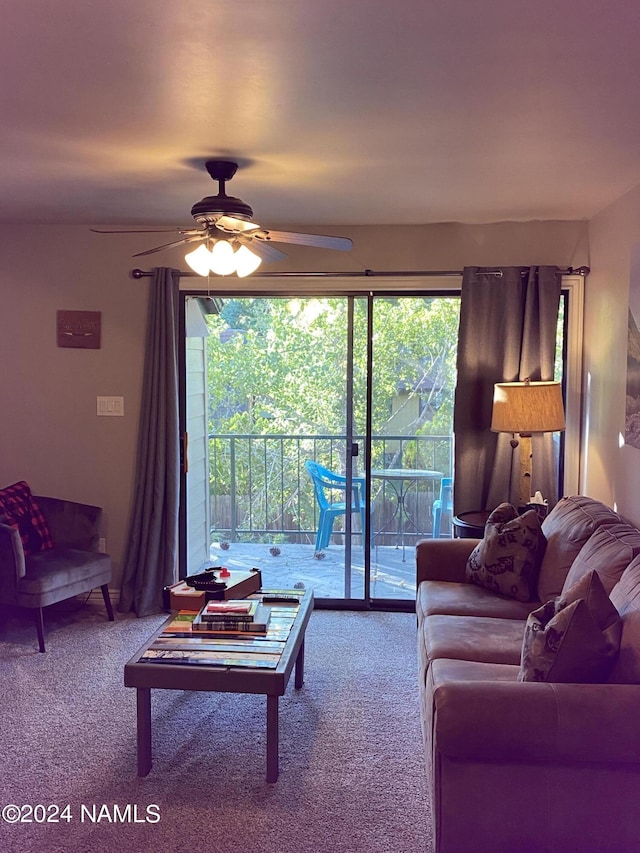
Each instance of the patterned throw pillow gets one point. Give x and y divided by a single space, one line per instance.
19 509
508 558
574 638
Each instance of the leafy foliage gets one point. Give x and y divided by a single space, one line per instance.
278 367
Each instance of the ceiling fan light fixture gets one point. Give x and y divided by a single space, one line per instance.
222 258
199 260
246 261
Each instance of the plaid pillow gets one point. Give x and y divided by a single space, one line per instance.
19 509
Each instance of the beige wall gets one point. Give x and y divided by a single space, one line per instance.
610 472
49 432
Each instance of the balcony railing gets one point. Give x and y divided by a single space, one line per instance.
261 492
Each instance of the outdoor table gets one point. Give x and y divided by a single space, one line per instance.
397 478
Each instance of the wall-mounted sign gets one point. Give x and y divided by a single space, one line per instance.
80 329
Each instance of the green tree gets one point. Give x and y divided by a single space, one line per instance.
277 367
280 367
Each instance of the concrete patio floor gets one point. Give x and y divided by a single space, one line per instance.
391 577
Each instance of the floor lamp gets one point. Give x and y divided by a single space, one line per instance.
523 408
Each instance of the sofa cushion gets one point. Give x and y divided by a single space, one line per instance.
495 718
608 550
19 509
445 672
573 639
506 561
566 529
473 638
60 574
626 597
467 599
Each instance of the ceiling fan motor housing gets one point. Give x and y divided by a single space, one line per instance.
211 208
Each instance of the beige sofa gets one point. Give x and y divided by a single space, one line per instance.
529 766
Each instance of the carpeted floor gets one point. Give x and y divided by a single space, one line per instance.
351 763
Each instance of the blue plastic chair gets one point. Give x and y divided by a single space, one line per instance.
324 483
442 504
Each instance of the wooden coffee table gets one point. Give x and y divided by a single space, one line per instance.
222 666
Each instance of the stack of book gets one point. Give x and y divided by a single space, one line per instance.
232 617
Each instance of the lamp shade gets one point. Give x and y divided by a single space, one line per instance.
246 261
527 407
222 258
199 260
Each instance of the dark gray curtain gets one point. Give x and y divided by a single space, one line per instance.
507 333
152 547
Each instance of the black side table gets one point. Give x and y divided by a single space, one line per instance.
470 525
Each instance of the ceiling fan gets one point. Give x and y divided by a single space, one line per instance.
229 240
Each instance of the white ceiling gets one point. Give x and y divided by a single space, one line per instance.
338 111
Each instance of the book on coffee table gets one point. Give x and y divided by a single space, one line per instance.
217 612
181 622
210 657
256 623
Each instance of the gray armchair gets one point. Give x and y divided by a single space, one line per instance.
73 565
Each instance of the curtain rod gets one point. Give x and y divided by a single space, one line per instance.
136 273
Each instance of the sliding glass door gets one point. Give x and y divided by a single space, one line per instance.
290 397
413 356
286 493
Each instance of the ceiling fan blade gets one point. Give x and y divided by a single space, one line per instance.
137 231
263 250
321 241
233 225
184 240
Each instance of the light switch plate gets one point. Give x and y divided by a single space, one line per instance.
110 406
